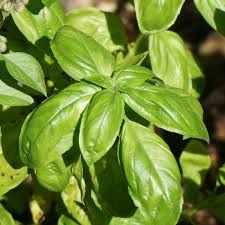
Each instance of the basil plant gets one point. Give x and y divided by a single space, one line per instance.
79 108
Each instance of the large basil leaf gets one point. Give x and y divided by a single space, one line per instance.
167 108
72 199
154 16
136 219
12 97
65 220
6 218
152 174
48 131
98 25
54 176
79 55
100 125
214 13
195 163
26 69
46 23
131 76
172 61
9 177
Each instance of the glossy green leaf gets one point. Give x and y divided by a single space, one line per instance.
131 76
154 16
65 220
72 199
101 125
79 55
45 23
172 61
12 97
48 132
214 13
153 175
26 69
5 217
167 108
100 80
195 163
106 28
131 60
136 219
54 176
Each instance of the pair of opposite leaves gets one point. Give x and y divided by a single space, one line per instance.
48 132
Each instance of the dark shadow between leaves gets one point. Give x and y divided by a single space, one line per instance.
219 18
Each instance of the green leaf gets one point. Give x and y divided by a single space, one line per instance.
167 108
155 16
79 55
6 218
131 60
101 125
100 80
65 220
45 23
26 69
72 199
12 97
221 175
172 61
106 28
131 76
152 174
195 163
9 177
214 13
48 2
54 176
48 132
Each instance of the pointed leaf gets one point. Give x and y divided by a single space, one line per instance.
100 125
48 131
168 108
98 25
6 218
12 97
79 55
152 174
195 163
154 16
26 69
214 13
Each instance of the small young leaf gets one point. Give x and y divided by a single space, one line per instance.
101 125
26 69
221 175
132 60
102 81
172 61
214 13
167 108
152 174
12 97
155 16
48 132
195 162
98 25
79 55
131 76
